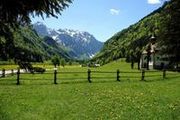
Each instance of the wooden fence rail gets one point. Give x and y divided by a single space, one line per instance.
89 73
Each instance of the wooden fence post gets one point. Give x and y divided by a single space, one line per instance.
89 76
143 75
164 73
118 75
3 72
18 76
55 76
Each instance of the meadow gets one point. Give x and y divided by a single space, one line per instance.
37 98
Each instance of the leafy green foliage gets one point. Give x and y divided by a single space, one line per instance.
55 61
63 62
16 12
38 70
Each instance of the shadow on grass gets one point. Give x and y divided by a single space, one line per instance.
7 81
172 78
160 79
151 80
74 82
62 82
7 84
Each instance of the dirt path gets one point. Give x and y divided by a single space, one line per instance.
7 72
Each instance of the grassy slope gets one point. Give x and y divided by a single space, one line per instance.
128 99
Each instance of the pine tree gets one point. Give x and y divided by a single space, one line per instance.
15 13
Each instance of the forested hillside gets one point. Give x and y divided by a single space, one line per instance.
132 40
28 46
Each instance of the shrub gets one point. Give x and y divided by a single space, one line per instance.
38 69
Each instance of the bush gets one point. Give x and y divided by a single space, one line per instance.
38 69
55 61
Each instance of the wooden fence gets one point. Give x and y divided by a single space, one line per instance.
117 75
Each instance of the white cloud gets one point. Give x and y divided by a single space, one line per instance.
154 1
114 11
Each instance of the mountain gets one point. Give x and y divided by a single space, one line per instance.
80 45
28 46
133 40
52 48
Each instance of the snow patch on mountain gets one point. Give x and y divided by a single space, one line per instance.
80 42
54 37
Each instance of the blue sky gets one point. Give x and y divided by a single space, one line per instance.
102 18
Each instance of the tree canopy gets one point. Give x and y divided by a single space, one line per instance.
55 61
18 11
15 13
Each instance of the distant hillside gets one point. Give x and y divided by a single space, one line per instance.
80 45
51 48
30 47
132 39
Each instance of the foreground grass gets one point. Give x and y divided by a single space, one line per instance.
101 100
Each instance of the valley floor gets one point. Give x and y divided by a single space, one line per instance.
155 98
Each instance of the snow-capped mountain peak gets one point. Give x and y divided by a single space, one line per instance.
80 42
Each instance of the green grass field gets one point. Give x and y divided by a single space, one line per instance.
103 99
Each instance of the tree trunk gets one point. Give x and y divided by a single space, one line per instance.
132 64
